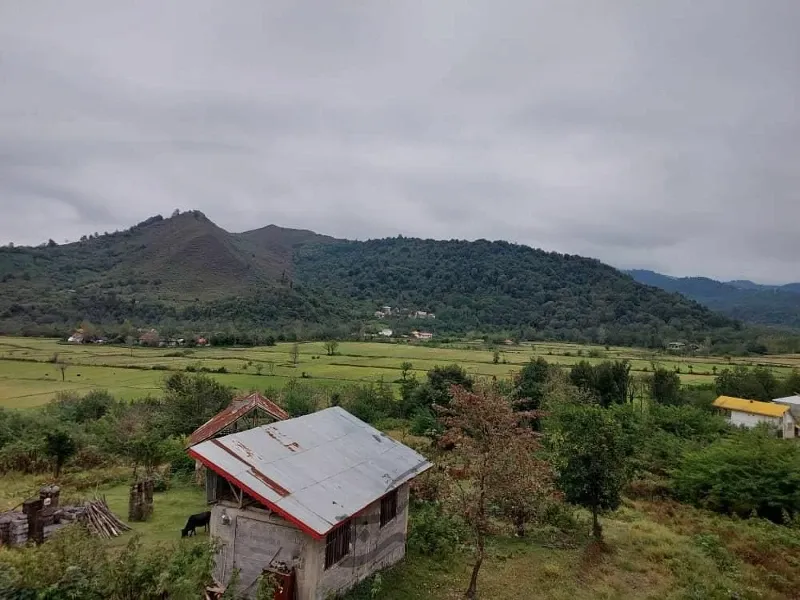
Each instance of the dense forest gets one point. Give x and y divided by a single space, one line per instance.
743 300
482 284
185 273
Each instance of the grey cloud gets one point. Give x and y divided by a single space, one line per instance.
660 135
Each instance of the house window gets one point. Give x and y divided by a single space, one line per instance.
337 544
388 507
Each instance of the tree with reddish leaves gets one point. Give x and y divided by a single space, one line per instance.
492 461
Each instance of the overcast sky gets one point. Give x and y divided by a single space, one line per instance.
662 135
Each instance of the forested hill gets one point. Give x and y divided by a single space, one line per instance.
186 273
743 300
532 293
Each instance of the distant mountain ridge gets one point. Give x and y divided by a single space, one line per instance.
740 299
185 272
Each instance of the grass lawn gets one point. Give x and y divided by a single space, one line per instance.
170 511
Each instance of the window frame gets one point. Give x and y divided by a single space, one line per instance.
338 544
388 508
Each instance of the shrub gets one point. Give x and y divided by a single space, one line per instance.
73 565
433 533
424 422
89 457
749 473
299 399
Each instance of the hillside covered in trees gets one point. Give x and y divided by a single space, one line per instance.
743 300
185 272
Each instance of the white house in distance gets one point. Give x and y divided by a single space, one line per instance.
320 500
793 402
749 413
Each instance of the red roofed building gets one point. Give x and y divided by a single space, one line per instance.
242 413
245 412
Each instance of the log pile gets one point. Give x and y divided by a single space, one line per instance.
101 520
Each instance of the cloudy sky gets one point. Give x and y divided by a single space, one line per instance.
663 135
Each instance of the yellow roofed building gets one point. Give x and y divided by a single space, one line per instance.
749 413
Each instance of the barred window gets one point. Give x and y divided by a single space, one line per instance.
337 544
388 507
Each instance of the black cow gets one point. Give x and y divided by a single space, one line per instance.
194 521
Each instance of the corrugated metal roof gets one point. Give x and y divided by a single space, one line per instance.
238 408
767 409
315 470
788 400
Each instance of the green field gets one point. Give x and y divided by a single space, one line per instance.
28 376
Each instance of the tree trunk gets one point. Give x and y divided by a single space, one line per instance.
472 590
597 530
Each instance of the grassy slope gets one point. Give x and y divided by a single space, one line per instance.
130 375
657 550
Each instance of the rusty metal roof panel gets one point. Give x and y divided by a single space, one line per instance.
238 408
316 470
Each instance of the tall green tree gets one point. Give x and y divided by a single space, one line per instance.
609 382
530 384
436 390
758 383
190 400
665 386
589 450
60 447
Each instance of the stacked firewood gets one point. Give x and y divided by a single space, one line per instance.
101 520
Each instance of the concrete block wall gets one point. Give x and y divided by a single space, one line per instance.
373 548
252 538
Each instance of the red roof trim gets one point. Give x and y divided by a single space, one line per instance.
271 505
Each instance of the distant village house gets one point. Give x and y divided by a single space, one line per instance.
321 501
386 332
751 413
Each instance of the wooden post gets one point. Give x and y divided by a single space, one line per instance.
32 509
140 500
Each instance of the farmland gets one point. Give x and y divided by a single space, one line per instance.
29 377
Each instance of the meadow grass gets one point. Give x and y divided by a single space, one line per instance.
29 378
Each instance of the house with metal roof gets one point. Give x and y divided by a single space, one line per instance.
793 402
320 500
750 413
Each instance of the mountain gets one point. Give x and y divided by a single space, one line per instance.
743 300
186 273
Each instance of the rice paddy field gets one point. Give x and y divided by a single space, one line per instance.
29 376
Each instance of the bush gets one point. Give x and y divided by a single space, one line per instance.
749 473
73 565
299 399
433 533
424 422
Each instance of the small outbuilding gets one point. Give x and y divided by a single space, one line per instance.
750 413
244 412
319 500
793 402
